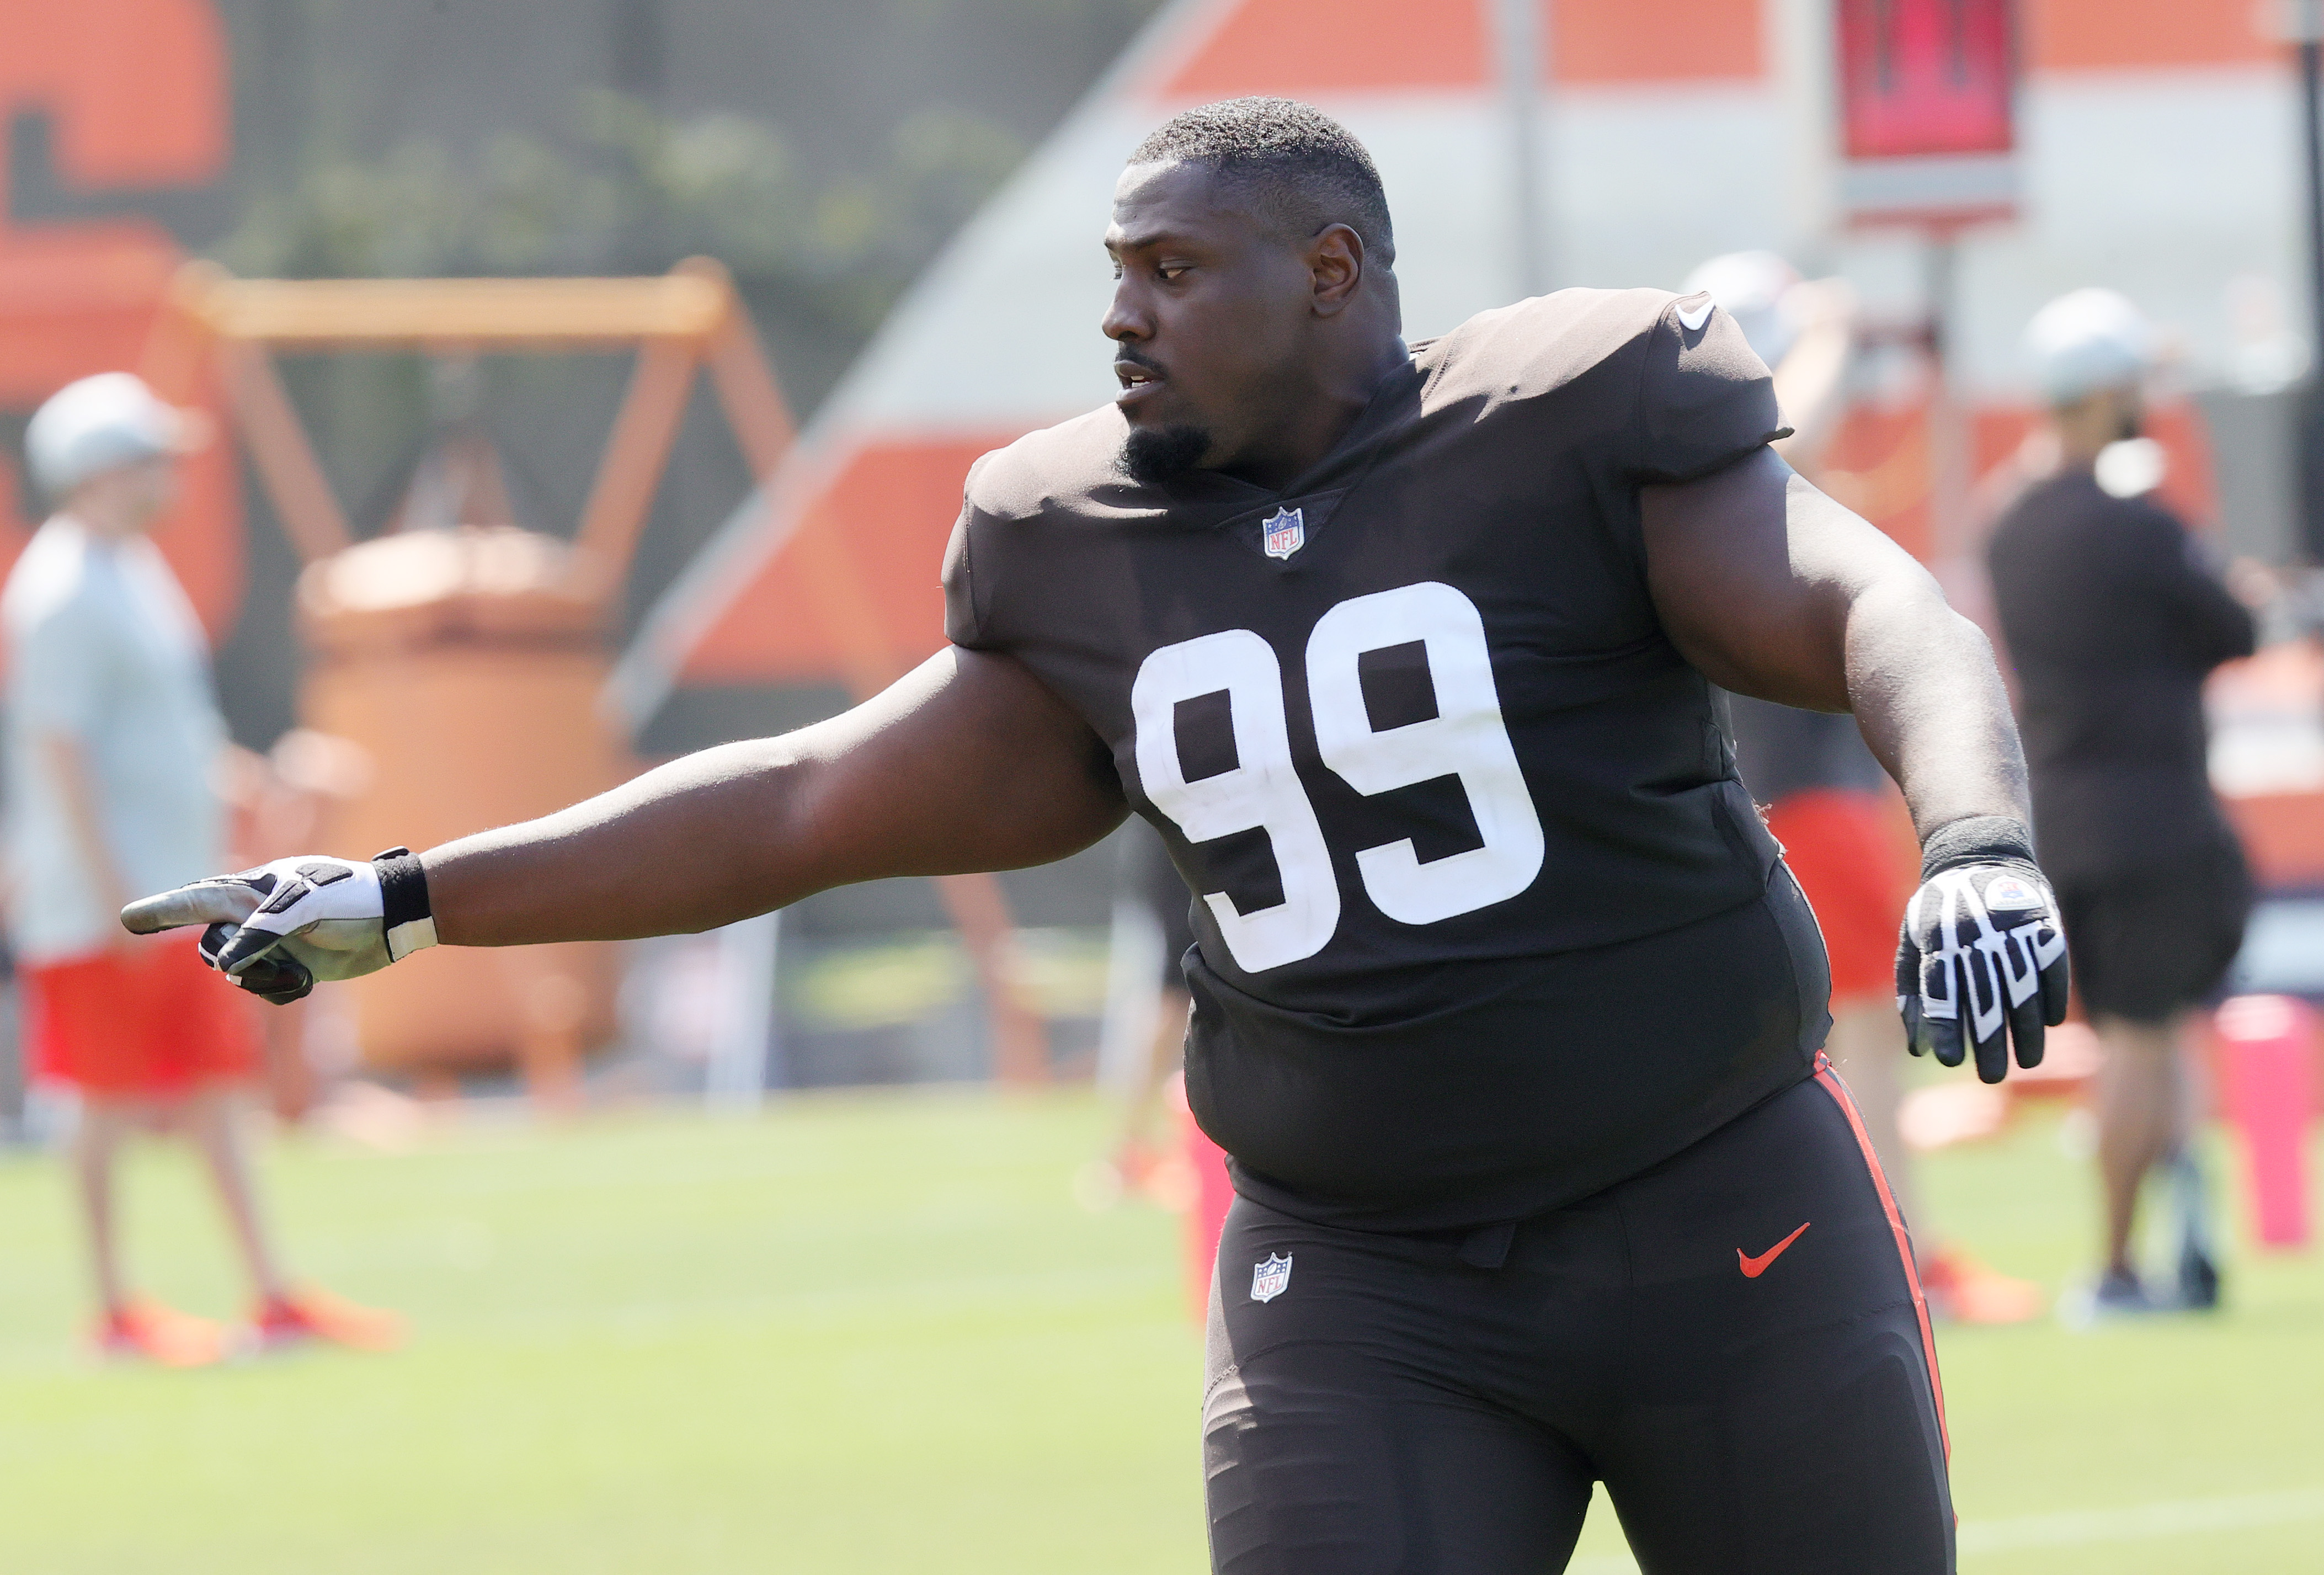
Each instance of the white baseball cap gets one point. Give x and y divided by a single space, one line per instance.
2087 340
1751 287
101 421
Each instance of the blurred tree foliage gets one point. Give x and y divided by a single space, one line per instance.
824 150
623 189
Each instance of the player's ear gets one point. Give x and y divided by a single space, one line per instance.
1335 261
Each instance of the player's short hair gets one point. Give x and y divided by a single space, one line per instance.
1303 168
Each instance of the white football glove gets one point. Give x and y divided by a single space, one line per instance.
1981 959
277 928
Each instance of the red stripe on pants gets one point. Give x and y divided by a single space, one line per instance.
1840 1097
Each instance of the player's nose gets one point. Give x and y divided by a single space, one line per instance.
1126 318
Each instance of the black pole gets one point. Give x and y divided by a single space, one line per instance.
2311 448
1948 447
639 49
2311 105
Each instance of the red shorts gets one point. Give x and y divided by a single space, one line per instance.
156 1021
1854 861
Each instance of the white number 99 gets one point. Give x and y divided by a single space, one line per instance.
1466 738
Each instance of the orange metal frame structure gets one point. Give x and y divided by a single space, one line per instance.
686 320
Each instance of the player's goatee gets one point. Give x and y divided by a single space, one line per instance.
1158 455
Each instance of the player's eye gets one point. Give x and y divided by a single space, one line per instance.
1171 271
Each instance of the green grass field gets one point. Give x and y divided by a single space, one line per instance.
875 1334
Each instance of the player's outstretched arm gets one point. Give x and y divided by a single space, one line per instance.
1772 589
968 762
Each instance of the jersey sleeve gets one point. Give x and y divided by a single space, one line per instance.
1705 399
965 612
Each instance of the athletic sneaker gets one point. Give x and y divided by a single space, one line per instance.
144 1330
309 1314
2199 1280
2198 1273
2120 1294
1962 1290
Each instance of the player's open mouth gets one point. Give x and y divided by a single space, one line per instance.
1138 382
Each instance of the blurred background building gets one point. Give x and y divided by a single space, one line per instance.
908 194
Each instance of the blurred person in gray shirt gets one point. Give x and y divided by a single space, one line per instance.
2113 616
113 742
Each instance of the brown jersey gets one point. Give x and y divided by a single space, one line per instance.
1451 804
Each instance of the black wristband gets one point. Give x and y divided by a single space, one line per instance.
1976 840
403 902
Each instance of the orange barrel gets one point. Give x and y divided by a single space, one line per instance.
2267 1051
467 662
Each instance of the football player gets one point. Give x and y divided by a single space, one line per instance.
1504 1004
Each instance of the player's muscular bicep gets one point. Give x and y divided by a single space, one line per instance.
1772 589
1756 576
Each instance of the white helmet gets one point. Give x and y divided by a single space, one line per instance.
1750 288
2087 340
101 421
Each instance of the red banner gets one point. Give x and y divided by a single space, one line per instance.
1921 78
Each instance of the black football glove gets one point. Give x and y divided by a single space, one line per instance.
1982 956
276 930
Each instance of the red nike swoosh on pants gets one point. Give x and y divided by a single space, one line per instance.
1754 1267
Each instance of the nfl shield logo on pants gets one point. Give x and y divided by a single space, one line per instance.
1269 1279
1285 533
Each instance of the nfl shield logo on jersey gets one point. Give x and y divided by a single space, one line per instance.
1285 533
1269 1279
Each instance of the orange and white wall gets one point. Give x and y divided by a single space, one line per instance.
2158 144
137 96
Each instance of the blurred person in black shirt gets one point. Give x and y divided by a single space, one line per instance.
2113 616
